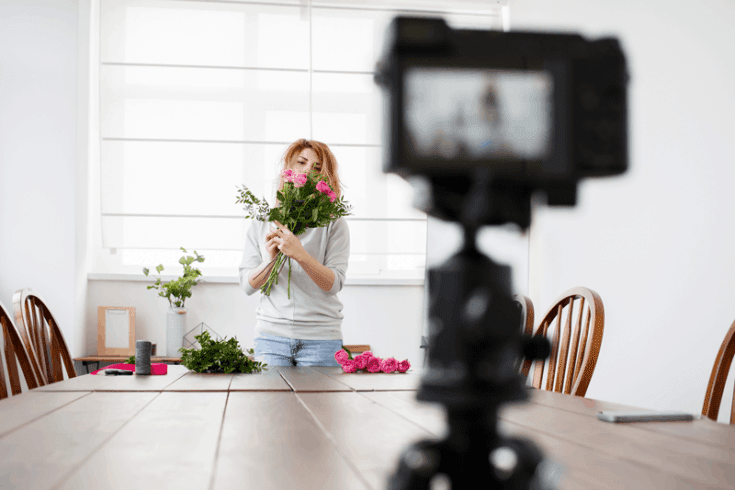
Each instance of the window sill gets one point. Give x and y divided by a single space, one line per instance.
350 281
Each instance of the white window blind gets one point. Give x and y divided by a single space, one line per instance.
199 97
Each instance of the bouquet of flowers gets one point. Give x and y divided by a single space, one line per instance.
306 201
368 362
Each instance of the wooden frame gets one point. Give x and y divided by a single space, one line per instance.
14 349
718 378
43 339
572 361
104 344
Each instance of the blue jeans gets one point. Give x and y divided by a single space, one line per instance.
282 351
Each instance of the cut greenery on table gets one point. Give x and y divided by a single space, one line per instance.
219 356
179 288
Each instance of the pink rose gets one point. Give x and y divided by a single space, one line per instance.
288 175
349 366
373 365
389 365
323 187
368 353
362 361
332 196
299 180
403 366
341 356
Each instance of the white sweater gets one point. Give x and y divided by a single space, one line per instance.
311 313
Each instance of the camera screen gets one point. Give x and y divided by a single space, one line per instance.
473 113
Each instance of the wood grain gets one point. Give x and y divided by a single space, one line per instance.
718 378
101 382
201 382
38 455
369 435
703 430
373 381
302 378
171 443
271 442
19 410
266 380
701 463
581 468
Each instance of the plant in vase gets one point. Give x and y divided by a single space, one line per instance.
176 291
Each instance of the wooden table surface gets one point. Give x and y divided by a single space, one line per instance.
315 428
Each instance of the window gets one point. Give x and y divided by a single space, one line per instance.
199 97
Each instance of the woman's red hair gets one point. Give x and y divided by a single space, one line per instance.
326 165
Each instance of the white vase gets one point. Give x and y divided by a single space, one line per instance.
175 329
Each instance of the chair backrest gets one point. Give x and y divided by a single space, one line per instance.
527 318
717 379
41 332
14 350
526 312
573 355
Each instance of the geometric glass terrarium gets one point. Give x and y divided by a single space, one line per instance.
191 343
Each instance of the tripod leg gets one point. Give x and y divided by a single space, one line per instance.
416 467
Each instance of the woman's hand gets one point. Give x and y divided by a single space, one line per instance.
288 243
271 245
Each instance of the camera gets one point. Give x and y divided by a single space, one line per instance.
479 121
523 111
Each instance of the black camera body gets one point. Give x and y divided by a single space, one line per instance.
524 111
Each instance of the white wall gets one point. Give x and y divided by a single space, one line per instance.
38 124
389 318
657 243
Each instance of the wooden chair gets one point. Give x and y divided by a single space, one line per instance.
14 350
358 349
572 361
526 312
717 379
42 337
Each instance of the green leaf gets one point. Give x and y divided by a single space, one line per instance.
159 268
145 271
349 354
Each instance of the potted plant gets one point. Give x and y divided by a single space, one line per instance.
176 291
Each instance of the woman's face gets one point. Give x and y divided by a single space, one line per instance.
305 161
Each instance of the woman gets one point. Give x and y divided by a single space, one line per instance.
305 330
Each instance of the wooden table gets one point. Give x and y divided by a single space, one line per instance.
314 428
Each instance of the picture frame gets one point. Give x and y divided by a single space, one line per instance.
115 330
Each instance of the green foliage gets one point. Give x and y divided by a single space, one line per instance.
129 360
218 357
349 354
299 208
180 288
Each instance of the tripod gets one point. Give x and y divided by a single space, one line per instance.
475 341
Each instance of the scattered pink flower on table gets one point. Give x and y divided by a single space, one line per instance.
299 180
403 366
373 365
389 365
341 356
349 366
362 361
323 187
